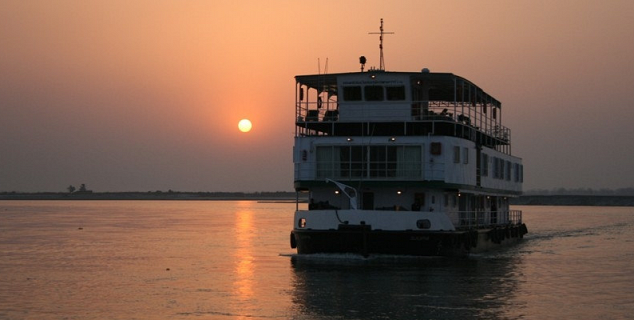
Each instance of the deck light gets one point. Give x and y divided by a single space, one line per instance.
392 139
398 192
336 191
350 139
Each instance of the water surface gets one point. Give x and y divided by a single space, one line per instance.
232 260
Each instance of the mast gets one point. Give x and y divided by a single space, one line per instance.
381 33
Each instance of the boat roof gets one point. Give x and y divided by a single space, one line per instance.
444 83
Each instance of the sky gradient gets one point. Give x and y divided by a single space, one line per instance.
147 95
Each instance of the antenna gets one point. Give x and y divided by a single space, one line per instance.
382 64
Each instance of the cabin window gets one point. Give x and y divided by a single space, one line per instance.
485 165
517 172
374 93
352 93
379 162
395 93
500 169
456 154
465 155
325 161
521 173
352 161
394 161
508 170
435 148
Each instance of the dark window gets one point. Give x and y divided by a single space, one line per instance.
352 93
395 93
508 170
436 148
456 154
374 93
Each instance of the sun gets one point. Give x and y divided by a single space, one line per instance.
244 125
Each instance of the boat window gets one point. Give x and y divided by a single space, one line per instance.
508 170
456 154
378 161
423 224
435 148
485 164
383 162
500 169
374 93
465 155
395 93
352 93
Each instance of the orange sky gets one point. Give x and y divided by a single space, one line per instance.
146 95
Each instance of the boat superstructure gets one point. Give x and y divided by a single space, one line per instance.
415 163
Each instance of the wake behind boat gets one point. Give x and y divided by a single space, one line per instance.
411 163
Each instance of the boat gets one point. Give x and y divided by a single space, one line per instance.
402 163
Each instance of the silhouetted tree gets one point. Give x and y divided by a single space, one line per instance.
71 189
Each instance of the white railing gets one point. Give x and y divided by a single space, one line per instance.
484 219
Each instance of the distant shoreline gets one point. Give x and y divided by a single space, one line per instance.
574 200
527 200
219 196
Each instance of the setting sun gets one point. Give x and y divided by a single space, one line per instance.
244 125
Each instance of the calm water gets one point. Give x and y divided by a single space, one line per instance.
232 260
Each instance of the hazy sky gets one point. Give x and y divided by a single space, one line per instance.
146 95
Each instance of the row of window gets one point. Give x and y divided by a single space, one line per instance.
457 156
368 161
502 169
373 93
399 161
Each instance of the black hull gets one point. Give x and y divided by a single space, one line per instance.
362 240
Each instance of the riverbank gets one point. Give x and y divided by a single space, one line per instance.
572 200
155 195
546 200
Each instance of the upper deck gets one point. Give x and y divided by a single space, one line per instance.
379 103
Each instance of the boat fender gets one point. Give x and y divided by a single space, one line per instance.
293 241
496 236
466 241
493 235
473 234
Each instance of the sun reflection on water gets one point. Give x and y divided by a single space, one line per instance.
244 266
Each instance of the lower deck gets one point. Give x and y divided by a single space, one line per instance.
362 239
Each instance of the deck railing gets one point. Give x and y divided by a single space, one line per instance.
485 219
